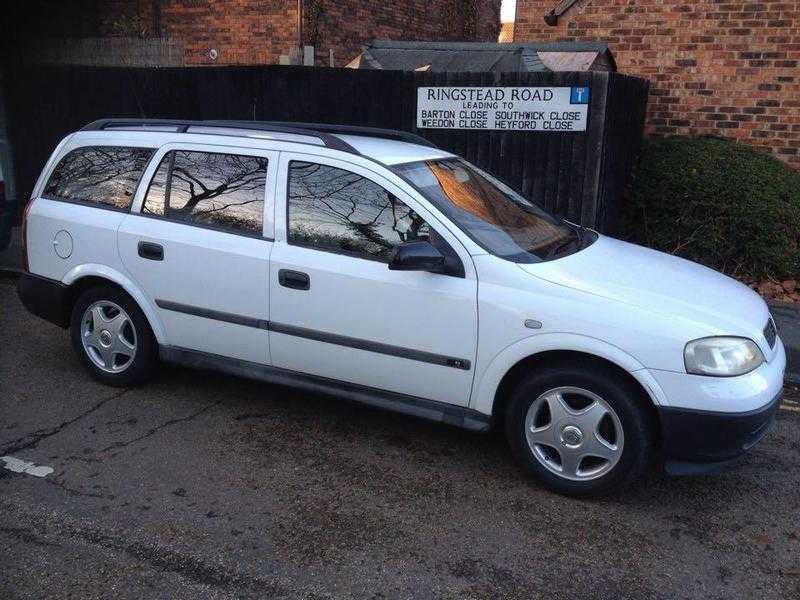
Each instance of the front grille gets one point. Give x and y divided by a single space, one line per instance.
770 332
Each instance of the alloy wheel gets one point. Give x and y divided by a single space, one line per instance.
574 433
108 336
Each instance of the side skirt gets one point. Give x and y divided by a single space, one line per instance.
430 410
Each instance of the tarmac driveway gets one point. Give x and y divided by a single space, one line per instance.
206 486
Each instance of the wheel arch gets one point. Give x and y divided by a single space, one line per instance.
536 352
85 276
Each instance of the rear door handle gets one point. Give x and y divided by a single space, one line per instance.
151 251
294 279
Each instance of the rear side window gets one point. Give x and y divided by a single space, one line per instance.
105 175
223 191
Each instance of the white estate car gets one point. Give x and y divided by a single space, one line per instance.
371 265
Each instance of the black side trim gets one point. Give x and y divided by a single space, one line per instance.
45 298
771 332
359 344
410 405
319 336
217 315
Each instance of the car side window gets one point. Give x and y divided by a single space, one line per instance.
223 191
339 211
105 175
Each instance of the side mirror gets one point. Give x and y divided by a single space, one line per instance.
416 256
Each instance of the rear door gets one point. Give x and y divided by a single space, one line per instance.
198 243
337 311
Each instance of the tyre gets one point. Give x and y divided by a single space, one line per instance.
112 337
579 430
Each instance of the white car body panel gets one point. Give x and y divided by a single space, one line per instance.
698 301
740 394
392 153
218 271
93 232
363 299
628 305
493 373
105 272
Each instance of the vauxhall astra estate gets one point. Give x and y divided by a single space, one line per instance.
371 265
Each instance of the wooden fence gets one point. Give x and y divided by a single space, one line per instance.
578 175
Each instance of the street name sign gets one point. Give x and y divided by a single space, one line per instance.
549 109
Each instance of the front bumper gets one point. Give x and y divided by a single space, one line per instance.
709 422
698 442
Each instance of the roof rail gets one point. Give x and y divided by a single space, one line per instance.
181 126
389 134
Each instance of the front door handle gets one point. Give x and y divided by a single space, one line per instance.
294 279
151 251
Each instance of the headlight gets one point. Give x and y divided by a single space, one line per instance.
722 356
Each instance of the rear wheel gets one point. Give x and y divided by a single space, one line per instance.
112 337
580 430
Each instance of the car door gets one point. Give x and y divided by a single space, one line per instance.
337 311
198 243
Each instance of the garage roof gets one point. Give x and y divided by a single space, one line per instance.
484 57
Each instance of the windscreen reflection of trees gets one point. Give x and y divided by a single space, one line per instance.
339 210
103 174
225 190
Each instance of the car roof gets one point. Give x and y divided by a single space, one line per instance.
392 152
387 146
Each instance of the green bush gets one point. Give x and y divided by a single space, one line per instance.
717 202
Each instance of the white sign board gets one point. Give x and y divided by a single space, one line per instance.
555 109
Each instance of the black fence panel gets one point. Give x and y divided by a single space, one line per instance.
579 175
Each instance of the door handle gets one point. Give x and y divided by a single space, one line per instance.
151 251
294 279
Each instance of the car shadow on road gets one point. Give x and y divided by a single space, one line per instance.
266 419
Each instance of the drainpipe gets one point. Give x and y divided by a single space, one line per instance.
156 8
300 27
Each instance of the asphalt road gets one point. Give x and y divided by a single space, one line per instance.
206 486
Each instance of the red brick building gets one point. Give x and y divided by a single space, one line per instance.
721 67
262 31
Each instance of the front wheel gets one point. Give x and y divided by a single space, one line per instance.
580 430
112 337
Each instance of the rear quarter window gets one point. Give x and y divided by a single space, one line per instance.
104 175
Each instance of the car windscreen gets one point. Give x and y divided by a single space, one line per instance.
492 214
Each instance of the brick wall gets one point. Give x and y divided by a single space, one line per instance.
344 25
259 31
242 31
717 67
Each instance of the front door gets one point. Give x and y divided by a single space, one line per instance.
198 244
337 311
